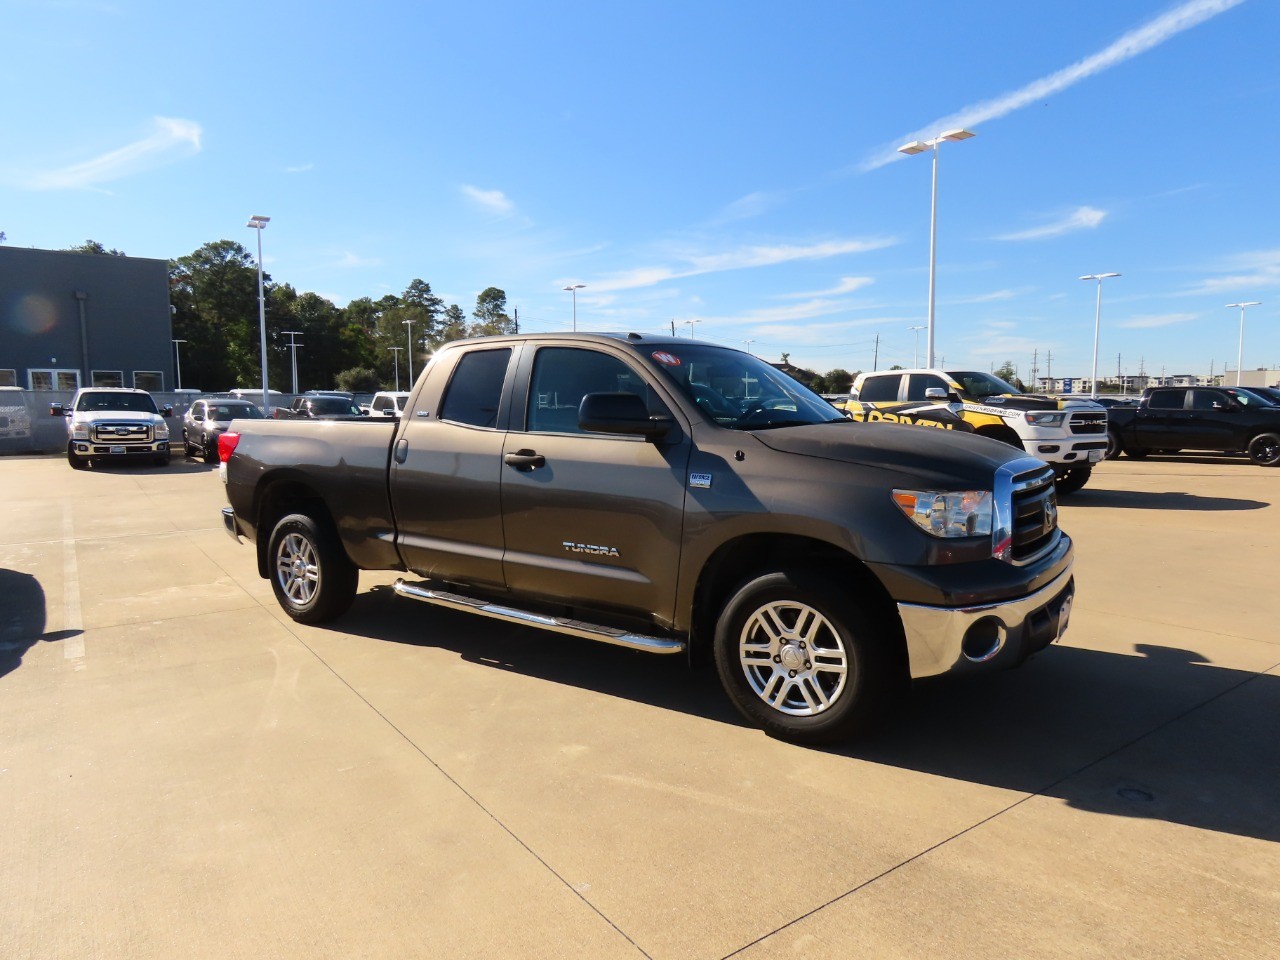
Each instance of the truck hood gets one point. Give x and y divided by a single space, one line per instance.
938 456
1028 401
119 416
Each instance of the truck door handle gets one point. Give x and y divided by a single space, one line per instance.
524 460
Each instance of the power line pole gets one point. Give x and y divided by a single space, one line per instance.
875 361
1048 365
1035 366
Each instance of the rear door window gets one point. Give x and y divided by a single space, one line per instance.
1166 399
475 389
880 389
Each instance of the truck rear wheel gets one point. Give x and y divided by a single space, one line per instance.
1264 450
802 660
313 578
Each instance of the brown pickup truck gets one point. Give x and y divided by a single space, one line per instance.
671 496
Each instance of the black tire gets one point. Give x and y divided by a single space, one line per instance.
1264 450
313 578
77 463
186 445
161 459
1073 480
764 645
1135 454
209 451
1114 449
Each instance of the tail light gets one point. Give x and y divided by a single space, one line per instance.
227 445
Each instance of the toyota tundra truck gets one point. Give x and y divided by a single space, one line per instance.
672 497
114 424
1067 433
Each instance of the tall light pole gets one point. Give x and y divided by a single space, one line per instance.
915 357
749 343
259 223
395 352
1097 325
574 288
1240 352
910 149
409 324
293 350
691 323
177 350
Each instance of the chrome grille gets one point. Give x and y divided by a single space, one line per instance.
1026 502
1088 423
120 433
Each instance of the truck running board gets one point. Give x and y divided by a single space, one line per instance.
576 628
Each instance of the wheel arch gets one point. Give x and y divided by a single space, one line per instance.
1001 432
277 500
756 554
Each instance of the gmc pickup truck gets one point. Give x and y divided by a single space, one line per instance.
1171 419
1069 433
669 496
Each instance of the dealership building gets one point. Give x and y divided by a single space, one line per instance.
69 320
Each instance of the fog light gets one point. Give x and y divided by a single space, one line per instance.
983 640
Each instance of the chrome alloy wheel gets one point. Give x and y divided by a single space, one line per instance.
793 658
297 569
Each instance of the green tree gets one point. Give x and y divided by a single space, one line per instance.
491 314
838 380
453 325
359 380
214 293
93 246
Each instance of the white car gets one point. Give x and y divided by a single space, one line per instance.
388 404
114 423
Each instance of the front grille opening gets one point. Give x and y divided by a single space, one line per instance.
1035 515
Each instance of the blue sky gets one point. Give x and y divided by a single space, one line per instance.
726 166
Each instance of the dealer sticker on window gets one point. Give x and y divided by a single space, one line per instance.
666 359
701 480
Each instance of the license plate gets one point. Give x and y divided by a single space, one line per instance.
1095 455
116 450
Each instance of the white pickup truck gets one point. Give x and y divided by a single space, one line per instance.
114 423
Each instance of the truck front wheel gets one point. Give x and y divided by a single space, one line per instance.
1264 450
77 463
311 575
802 660
1072 480
1113 446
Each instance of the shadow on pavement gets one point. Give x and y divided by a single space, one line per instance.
22 619
1157 500
1084 726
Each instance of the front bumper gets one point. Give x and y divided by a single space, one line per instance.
986 636
92 448
1069 452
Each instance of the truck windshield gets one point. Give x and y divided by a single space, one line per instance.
978 384
739 391
132 402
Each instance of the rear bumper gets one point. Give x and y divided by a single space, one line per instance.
986 636
230 523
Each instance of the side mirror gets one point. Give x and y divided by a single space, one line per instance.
55 410
620 413
364 413
935 393
167 410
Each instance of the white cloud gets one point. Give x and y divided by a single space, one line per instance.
1162 320
171 139
495 201
1243 273
992 297
1150 34
351 260
1081 218
846 285
747 257
745 208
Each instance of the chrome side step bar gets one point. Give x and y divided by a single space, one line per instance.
576 628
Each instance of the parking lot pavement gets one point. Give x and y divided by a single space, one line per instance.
186 772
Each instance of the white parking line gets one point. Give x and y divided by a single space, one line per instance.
73 647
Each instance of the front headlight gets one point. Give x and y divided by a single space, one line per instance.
962 513
1046 419
79 431
162 431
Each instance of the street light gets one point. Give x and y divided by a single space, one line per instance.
691 323
915 357
293 350
395 353
749 343
178 353
1097 323
409 324
259 223
911 149
1240 352
574 288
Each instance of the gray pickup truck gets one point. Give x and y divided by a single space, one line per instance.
671 496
